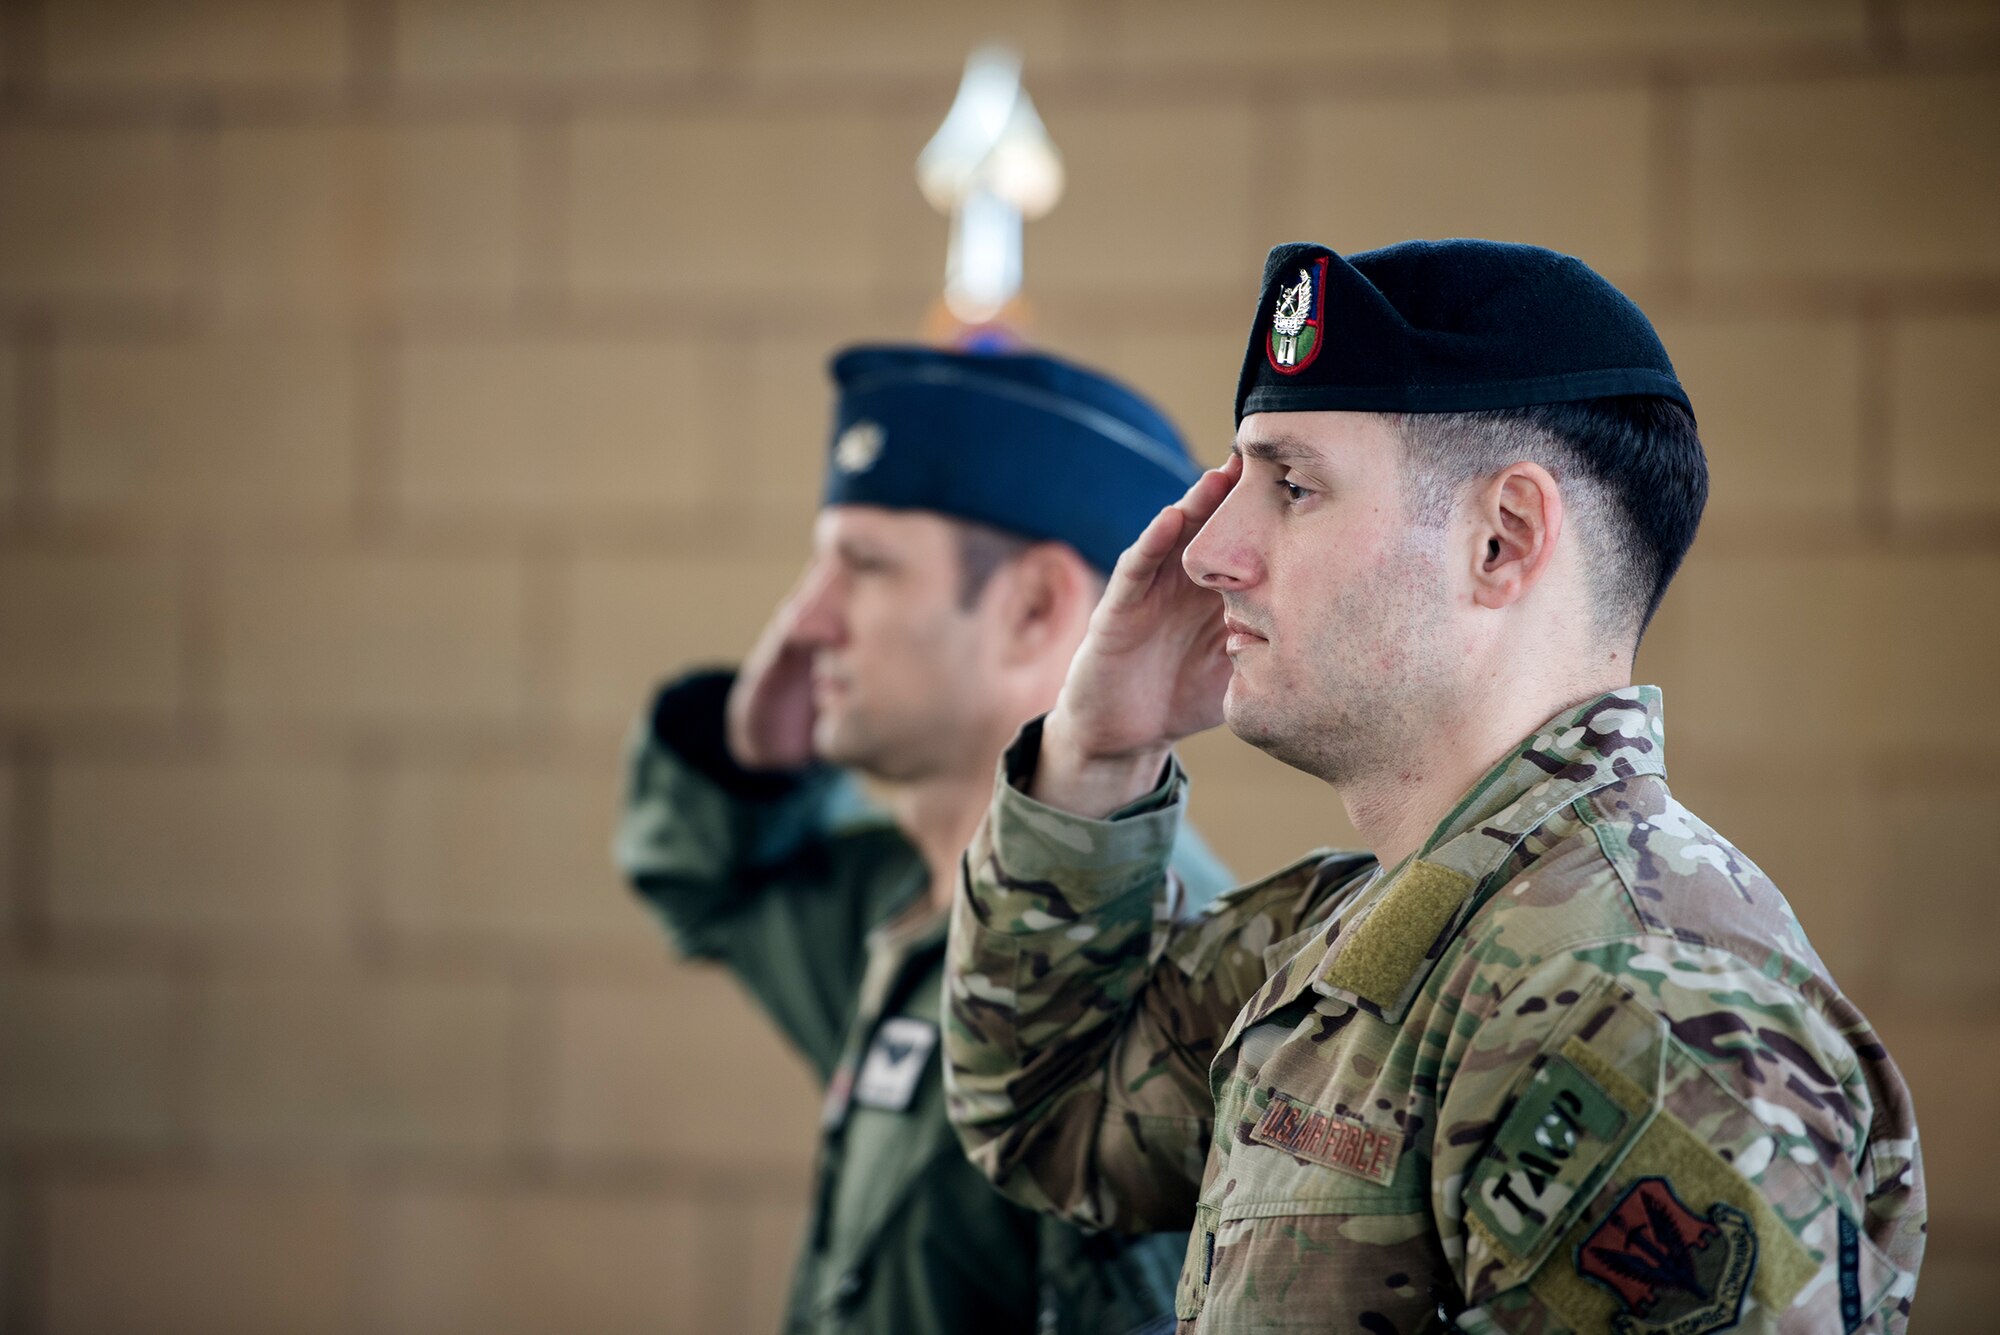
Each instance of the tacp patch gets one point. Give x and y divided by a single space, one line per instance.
1332 1140
1673 1272
895 1063
1562 1130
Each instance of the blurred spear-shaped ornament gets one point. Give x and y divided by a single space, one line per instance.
988 167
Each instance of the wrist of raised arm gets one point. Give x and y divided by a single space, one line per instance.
1051 865
1070 777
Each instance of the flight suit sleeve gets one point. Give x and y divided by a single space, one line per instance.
1083 1008
766 873
1656 1130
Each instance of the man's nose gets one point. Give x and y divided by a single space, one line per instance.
817 618
1221 556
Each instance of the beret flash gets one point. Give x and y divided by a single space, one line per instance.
1443 327
1023 441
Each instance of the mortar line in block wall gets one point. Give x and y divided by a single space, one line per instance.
199 149
24 1262
30 757
670 532
541 279
721 1247
1670 175
544 1170
546 629
22 24
371 51
1883 20
376 444
1465 70
1874 411
34 441
201 633
725 29
529 1126
370 771
1080 312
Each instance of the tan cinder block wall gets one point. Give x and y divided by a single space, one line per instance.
392 390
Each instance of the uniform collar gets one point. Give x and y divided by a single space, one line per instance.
1383 941
1618 735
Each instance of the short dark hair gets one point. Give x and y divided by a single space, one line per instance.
1632 470
982 550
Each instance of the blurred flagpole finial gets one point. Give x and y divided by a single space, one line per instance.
988 167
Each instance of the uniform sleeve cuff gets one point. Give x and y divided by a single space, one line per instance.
687 719
1036 841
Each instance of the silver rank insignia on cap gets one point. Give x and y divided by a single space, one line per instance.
1295 322
858 448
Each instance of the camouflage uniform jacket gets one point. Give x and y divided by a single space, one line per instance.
1573 1066
800 886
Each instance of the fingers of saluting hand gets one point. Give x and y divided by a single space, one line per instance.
1139 563
1171 529
1205 497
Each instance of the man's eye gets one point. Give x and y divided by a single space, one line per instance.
1293 491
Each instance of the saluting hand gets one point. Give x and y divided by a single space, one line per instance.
769 717
1152 668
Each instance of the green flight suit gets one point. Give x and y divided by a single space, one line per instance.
812 897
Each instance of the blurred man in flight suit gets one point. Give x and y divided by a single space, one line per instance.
973 503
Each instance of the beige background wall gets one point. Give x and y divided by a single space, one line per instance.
389 392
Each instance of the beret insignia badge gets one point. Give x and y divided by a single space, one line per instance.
1297 321
858 448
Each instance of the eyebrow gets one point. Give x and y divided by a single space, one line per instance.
858 553
1278 449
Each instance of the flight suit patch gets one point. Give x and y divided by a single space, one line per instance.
895 1063
1332 1140
1562 1129
1673 1272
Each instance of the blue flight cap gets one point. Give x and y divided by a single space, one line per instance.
1443 327
1019 440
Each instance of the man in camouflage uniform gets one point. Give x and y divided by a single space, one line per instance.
1555 1056
949 586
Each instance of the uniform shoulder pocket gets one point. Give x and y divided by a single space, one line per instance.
1628 1181
1570 1120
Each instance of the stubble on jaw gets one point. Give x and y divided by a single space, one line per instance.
1371 674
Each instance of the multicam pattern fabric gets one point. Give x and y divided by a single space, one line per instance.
1379 1097
803 889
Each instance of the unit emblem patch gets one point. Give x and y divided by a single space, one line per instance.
1674 1272
895 1063
1332 1140
1296 321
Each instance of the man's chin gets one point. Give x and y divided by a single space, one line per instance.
1255 721
1242 713
834 742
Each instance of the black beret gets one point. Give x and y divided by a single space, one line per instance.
1023 441
1443 327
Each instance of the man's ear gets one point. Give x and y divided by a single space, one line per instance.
1045 594
1516 521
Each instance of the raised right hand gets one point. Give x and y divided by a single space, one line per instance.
1151 670
769 717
